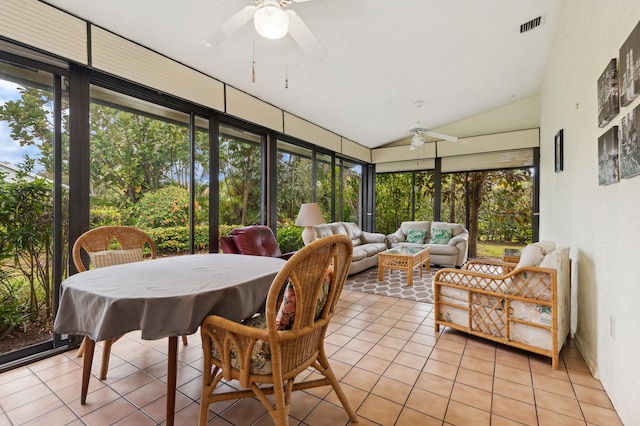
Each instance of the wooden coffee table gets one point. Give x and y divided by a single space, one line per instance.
404 258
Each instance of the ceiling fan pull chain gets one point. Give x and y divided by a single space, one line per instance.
253 64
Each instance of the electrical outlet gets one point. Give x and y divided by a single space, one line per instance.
612 327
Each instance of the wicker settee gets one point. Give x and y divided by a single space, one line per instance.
525 305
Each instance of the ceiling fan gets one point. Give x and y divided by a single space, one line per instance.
419 130
272 19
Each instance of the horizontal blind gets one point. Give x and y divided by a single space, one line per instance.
403 166
302 129
488 161
354 150
250 108
123 58
46 28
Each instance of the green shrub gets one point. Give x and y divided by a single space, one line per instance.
106 215
289 236
13 309
165 208
175 240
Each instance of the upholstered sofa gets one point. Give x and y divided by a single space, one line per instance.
448 242
525 305
366 245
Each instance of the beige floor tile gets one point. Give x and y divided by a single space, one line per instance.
514 410
558 403
462 414
393 367
380 410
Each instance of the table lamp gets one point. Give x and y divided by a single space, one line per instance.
308 216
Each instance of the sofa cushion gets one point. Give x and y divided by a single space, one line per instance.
406 226
442 249
416 236
440 235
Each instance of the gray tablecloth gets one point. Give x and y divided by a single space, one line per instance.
163 297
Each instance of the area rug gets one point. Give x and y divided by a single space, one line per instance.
394 284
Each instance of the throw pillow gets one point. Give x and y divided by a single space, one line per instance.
416 236
287 311
440 235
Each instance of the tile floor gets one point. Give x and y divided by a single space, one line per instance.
393 368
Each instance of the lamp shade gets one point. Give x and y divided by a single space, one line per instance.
309 216
271 21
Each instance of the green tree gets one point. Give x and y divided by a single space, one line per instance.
26 203
240 182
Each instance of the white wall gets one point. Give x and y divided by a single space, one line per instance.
600 223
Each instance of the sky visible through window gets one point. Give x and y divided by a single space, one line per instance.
10 150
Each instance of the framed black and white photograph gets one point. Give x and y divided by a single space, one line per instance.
630 67
559 151
629 144
608 157
608 104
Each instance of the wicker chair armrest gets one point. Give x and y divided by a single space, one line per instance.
489 266
219 334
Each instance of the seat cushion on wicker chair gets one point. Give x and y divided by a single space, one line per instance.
287 311
100 259
261 353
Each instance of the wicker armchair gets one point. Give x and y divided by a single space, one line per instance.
524 305
267 352
108 246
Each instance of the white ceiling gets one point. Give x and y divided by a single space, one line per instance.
461 57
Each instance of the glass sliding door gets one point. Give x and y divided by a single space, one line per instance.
324 185
394 200
240 178
140 169
295 180
33 205
350 187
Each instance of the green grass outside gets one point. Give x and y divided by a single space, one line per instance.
488 249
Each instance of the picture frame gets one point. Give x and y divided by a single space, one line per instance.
608 102
608 157
559 151
630 144
629 66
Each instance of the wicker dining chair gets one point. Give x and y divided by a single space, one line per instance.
267 352
108 246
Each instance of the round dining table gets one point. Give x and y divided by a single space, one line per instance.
164 297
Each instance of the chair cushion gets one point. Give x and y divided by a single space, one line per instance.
287 311
260 354
100 259
416 236
256 240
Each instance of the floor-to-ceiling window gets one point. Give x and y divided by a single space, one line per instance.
325 185
141 170
33 203
350 191
241 176
294 180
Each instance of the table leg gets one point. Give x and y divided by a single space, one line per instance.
172 372
380 270
410 272
87 362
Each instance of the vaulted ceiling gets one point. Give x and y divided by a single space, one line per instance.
462 58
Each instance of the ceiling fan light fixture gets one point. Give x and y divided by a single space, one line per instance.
417 140
271 21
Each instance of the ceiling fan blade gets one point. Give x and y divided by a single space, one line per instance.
302 35
441 136
231 26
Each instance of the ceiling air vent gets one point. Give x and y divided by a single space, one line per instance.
528 26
